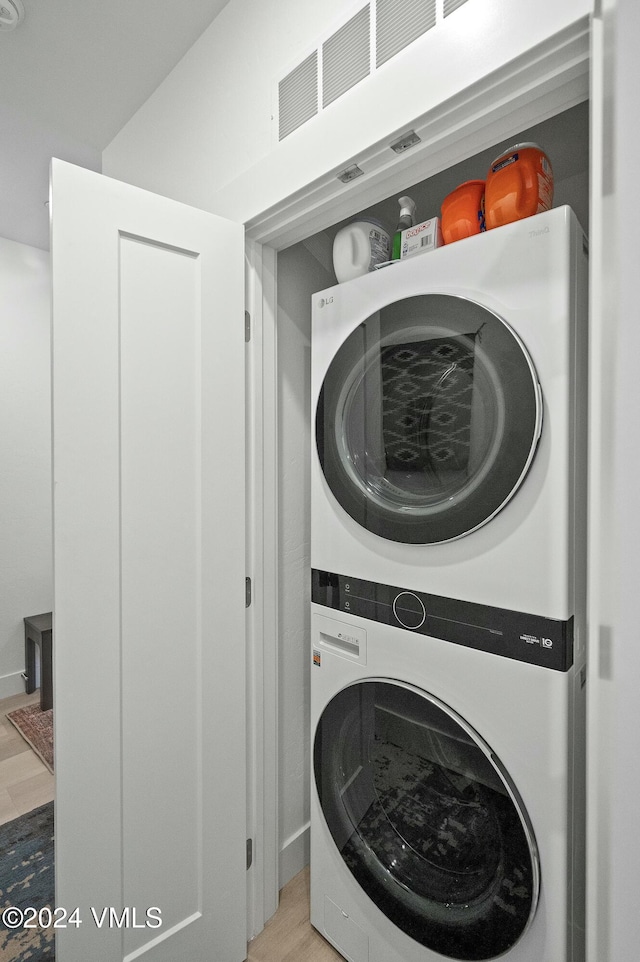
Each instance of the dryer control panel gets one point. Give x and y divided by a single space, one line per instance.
512 634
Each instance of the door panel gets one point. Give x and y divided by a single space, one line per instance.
148 353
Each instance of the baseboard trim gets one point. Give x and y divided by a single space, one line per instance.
11 685
294 855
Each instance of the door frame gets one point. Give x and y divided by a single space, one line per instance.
262 568
546 80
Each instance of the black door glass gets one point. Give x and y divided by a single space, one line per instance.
427 397
425 820
428 419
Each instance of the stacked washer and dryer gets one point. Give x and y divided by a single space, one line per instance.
448 602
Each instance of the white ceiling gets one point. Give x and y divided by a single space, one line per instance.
71 75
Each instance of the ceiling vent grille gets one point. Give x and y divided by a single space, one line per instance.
451 5
346 57
298 95
368 39
399 23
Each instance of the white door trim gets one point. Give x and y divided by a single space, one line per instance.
262 615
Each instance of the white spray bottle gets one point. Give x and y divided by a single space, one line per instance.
407 219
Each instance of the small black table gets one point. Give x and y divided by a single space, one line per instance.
38 630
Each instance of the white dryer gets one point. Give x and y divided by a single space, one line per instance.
447 804
449 400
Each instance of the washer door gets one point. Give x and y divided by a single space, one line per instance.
426 820
428 419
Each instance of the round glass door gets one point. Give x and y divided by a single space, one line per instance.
426 820
428 419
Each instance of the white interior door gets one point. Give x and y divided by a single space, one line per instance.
149 637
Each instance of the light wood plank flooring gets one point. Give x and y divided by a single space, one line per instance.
25 783
289 936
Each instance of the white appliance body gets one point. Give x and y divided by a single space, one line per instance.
528 279
530 717
448 602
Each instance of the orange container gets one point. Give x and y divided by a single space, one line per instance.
519 184
463 211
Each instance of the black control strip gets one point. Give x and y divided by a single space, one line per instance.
512 634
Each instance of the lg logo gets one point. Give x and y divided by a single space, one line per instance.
324 301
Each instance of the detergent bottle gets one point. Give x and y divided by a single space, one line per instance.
359 247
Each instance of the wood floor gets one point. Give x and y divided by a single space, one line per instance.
25 783
289 936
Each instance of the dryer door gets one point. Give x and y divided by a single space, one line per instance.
426 820
428 419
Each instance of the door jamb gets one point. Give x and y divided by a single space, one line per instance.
262 568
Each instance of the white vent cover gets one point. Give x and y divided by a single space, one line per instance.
346 57
399 22
298 95
380 29
451 5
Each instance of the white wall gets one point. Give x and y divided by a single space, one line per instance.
620 671
299 275
211 118
25 442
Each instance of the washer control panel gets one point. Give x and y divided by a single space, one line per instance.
512 634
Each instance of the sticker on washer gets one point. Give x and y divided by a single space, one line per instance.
317 658
534 640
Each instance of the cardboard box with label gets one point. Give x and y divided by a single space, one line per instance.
421 238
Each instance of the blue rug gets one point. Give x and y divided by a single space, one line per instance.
27 881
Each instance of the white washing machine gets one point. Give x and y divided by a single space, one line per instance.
449 396
447 804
